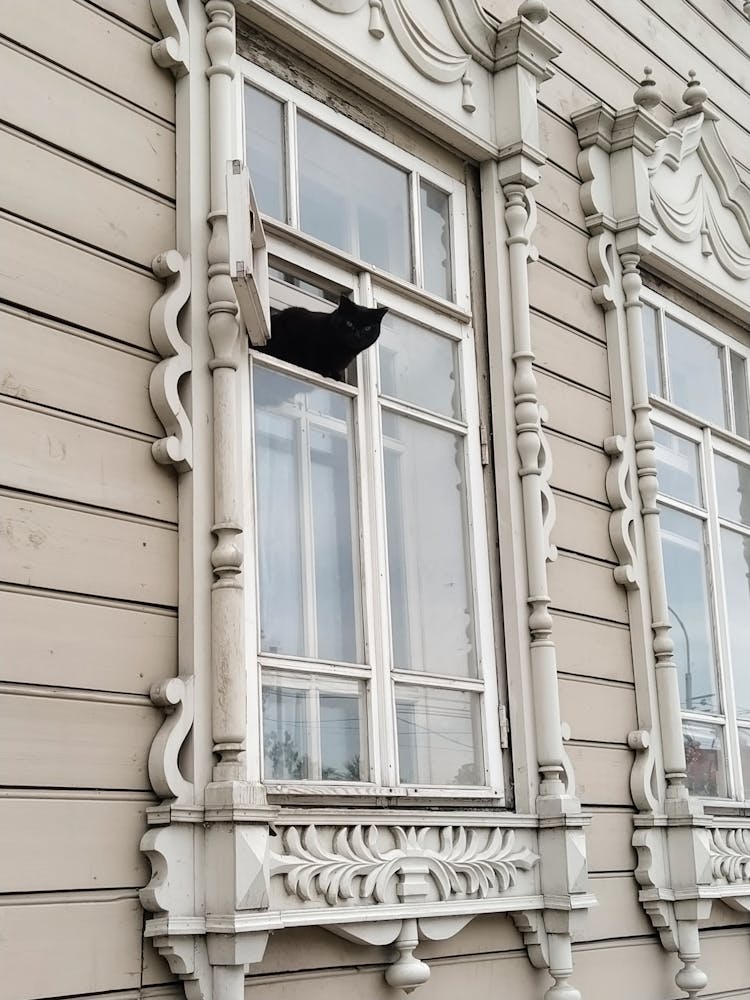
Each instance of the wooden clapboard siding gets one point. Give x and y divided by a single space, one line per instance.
85 552
609 841
133 12
619 913
68 944
582 527
63 843
66 459
635 967
602 773
56 741
586 588
591 648
50 274
98 209
44 362
76 643
559 138
561 296
94 46
564 351
80 118
563 244
597 711
575 411
559 193
578 468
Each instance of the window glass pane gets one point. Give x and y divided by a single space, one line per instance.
677 466
689 609
353 200
733 489
264 150
696 373
439 737
735 551
418 366
313 729
705 757
307 533
739 394
745 760
651 347
432 621
436 240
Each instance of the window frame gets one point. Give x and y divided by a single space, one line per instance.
710 439
293 251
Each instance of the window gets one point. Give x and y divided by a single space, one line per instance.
698 380
375 636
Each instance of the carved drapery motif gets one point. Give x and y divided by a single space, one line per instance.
425 54
177 447
359 866
730 855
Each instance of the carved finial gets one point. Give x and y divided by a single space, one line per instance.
647 95
695 95
376 28
535 11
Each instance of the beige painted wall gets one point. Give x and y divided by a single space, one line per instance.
88 541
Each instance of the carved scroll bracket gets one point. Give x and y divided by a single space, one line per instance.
177 447
172 52
175 697
619 494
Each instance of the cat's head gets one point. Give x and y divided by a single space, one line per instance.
358 325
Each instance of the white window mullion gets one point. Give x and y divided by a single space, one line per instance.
291 165
310 616
416 225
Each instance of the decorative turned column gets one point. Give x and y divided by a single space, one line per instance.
229 718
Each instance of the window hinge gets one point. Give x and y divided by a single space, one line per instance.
484 443
503 714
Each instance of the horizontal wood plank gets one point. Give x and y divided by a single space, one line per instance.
56 457
619 913
84 121
573 410
134 12
97 209
56 742
586 588
94 46
602 774
592 648
583 527
558 192
609 838
88 947
58 548
52 276
55 844
79 644
562 244
563 297
562 351
597 712
42 362
577 467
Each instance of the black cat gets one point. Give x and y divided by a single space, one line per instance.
325 343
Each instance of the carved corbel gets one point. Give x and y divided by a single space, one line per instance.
619 495
172 51
175 697
177 447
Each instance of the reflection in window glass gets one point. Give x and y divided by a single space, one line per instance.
353 200
733 489
705 758
735 551
651 346
745 760
432 620
696 373
677 466
306 520
439 737
436 240
418 366
687 592
264 151
739 395
312 729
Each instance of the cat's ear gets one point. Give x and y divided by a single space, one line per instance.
380 313
345 303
